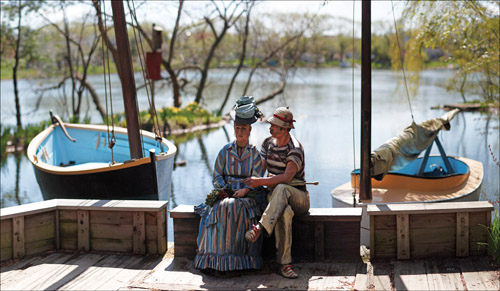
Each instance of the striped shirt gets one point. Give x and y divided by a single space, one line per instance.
278 157
232 169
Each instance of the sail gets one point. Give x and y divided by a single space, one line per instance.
399 151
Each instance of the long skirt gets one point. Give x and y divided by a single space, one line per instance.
221 237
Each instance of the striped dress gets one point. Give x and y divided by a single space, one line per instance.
221 237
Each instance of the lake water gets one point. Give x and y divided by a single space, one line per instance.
321 100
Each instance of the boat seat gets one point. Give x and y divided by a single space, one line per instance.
87 166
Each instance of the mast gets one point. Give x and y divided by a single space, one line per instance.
365 187
128 82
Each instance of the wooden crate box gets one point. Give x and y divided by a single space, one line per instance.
324 233
422 230
88 225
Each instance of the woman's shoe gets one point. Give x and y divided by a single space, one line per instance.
287 272
253 234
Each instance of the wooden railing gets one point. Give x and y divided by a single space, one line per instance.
323 233
420 230
128 226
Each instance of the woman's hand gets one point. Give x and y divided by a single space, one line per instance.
241 192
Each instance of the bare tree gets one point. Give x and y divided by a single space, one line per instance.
244 36
73 62
14 69
16 10
228 15
274 46
167 63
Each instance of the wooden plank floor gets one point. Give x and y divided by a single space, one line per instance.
101 271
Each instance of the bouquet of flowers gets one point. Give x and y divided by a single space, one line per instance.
218 194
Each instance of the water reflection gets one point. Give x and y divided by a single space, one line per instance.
321 103
14 189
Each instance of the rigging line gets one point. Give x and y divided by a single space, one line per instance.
152 107
352 101
111 140
136 98
402 60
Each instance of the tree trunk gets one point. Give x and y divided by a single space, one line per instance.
240 64
14 72
206 67
173 76
95 98
70 65
109 44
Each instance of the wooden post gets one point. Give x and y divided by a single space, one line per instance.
162 232
18 247
83 230
462 249
403 236
365 187
372 237
157 37
157 42
319 238
139 233
57 230
128 81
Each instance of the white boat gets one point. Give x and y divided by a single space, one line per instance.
394 173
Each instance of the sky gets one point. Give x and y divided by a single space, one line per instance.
381 10
163 12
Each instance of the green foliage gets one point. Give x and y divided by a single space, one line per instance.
468 33
218 194
12 136
191 115
494 237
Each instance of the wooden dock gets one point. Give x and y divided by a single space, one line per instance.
110 271
122 245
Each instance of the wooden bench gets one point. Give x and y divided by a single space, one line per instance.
323 233
127 226
422 230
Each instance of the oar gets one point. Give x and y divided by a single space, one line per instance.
312 183
296 182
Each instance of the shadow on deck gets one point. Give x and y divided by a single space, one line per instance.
473 273
106 271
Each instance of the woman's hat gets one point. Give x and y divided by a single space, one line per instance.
245 111
282 117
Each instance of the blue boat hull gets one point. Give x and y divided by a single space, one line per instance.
87 169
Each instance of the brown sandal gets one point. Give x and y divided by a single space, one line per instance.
253 234
287 272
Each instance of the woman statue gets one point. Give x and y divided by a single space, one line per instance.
221 237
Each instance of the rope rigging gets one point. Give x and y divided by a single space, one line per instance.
105 56
352 102
111 139
148 83
402 60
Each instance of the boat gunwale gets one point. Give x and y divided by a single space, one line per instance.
472 170
38 139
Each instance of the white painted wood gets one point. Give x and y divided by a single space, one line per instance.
81 204
423 208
